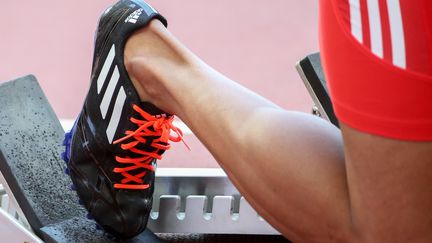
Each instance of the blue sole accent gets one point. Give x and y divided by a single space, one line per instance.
89 216
67 142
72 187
63 156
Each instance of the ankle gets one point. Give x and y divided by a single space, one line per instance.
152 56
145 41
138 46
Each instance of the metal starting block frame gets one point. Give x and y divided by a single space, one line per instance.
202 201
312 74
36 203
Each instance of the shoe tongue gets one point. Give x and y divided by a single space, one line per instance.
152 109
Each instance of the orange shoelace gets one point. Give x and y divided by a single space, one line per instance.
150 126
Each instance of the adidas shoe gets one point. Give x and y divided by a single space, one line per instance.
112 149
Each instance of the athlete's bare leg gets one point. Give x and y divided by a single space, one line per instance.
290 166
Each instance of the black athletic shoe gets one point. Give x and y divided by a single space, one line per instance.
112 149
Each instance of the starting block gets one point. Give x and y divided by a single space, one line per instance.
312 74
36 204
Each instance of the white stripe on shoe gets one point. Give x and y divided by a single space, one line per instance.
106 100
115 118
108 96
355 19
375 28
105 69
397 33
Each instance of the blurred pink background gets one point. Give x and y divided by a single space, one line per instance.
255 43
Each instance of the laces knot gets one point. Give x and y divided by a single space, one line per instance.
160 127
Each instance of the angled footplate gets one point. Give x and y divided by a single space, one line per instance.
30 140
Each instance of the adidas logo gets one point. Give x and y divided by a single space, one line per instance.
120 96
133 17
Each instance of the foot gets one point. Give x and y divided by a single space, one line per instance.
112 149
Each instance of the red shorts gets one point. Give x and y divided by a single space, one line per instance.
377 58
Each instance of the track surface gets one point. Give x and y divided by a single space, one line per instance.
256 43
